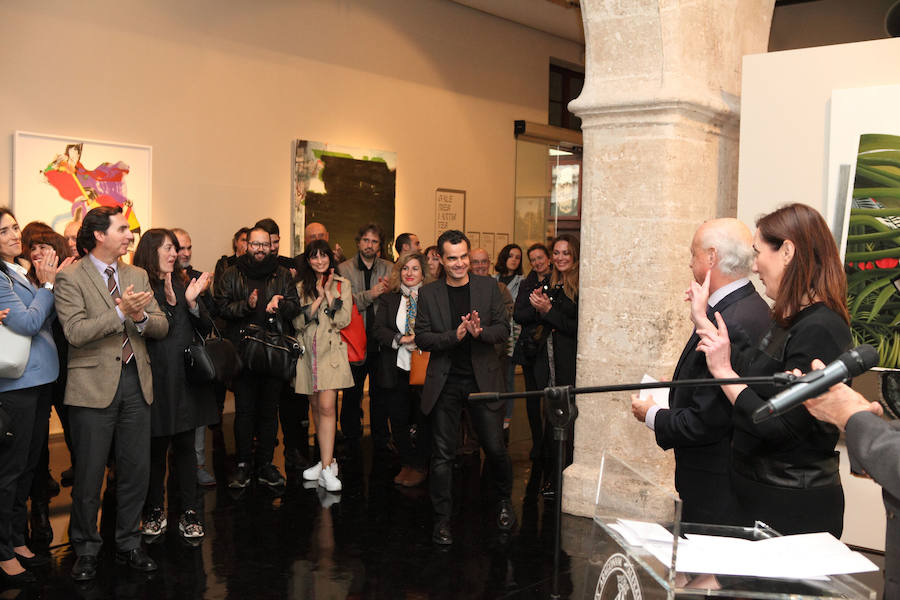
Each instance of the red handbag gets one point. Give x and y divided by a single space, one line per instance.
354 335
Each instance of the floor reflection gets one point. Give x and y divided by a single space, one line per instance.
371 541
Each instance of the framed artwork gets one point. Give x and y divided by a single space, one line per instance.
449 211
565 188
474 239
343 188
487 242
57 179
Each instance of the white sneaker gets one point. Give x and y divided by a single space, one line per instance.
328 478
312 473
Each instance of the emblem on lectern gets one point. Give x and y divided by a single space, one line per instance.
618 581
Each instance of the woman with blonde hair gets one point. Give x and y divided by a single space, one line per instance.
394 329
326 302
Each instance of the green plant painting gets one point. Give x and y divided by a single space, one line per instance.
873 247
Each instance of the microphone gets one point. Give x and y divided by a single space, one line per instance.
849 364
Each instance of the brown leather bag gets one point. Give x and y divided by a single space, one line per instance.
418 365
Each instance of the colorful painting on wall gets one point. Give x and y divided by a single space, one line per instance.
57 179
343 188
872 254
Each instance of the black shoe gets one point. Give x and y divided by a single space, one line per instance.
240 478
294 460
38 560
16 581
85 568
137 559
52 486
548 490
506 516
41 531
67 477
441 534
269 475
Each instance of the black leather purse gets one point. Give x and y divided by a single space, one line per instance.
211 359
269 351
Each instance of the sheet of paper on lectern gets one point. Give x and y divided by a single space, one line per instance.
660 395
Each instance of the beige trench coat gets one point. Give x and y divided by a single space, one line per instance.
332 365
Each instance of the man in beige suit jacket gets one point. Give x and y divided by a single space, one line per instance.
106 308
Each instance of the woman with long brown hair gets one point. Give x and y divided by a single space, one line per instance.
785 469
557 307
179 405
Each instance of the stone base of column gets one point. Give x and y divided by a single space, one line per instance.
580 489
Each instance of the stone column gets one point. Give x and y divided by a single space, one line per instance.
660 114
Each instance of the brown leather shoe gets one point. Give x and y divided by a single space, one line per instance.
415 478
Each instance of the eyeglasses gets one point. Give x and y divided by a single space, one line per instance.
259 245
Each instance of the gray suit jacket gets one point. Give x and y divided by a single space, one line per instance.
873 445
88 316
350 270
436 333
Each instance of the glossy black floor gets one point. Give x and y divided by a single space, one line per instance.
371 541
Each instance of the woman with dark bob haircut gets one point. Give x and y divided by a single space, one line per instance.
785 469
179 405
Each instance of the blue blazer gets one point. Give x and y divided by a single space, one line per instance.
31 313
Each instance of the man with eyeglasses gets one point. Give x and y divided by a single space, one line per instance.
253 289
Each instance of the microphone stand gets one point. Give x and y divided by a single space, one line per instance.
561 411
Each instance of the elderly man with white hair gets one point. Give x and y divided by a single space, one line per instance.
698 422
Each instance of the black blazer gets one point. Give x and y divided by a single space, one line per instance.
436 333
562 319
384 330
698 423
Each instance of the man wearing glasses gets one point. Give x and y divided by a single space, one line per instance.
252 290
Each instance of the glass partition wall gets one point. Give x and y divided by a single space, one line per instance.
548 183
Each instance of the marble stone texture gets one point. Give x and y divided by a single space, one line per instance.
660 117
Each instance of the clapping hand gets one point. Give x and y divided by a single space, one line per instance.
3 314
272 306
326 285
196 287
45 268
68 261
170 291
253 299
540 301
473 324
132 303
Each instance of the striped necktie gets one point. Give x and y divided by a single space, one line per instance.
113 287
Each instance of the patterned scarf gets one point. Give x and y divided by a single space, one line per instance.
412 301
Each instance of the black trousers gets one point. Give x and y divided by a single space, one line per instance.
403 405
127 419
256 413
39 493
18 458
351 403
534 410
488 425
293 412
185 470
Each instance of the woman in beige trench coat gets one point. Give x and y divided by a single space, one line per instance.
326 302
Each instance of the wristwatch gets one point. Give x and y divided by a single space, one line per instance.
48 286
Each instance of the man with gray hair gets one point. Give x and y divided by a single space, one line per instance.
697 423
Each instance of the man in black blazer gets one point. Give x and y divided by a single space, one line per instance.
697 423
460 318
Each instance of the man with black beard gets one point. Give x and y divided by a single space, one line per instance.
253 289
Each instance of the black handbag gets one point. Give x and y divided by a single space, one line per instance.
267 350
211 359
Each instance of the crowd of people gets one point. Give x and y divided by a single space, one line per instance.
108 337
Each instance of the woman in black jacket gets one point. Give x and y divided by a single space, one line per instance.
531 338
394 329
557 307
179 406
785 469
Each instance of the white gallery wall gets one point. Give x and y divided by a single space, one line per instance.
220 89
786 113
